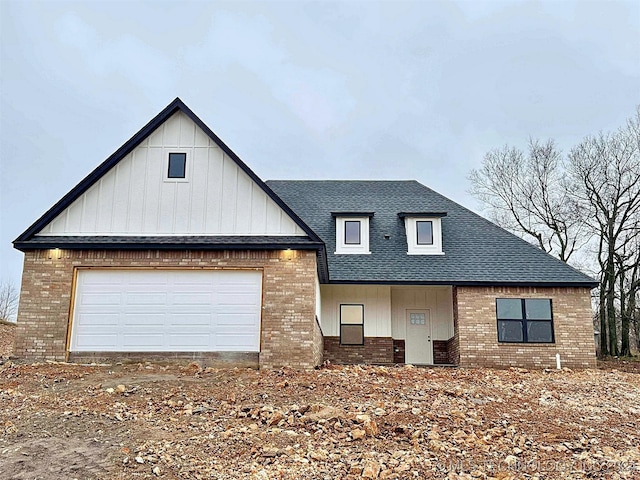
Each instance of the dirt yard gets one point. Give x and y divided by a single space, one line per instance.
61 421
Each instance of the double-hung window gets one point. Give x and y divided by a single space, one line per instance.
524 320
351 324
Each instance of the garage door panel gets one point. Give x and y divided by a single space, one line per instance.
97 342
236 320
176 342
167 310
143 341
101 299
192 298
91 320
143 320
145 298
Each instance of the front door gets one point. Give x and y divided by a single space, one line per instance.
418 345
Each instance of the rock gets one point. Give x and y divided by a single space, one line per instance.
325 413
380 412
371 428
156 471
355 469
121 389
511 460
362 418
416 411
139 460
371 469
276 418
110 390
318 454
357 434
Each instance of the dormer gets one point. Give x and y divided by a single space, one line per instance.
424 232
352 232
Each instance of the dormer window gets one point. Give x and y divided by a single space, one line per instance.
424 232
352 232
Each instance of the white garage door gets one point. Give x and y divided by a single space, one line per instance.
167 311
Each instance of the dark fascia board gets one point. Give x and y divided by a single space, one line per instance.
469 283
422 214
352 214
97 245
133 142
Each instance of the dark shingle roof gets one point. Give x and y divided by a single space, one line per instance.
476 250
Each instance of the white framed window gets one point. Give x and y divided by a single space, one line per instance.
424 235
176 166
352 235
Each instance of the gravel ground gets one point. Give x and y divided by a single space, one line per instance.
64 421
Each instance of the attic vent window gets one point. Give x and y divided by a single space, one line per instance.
177 165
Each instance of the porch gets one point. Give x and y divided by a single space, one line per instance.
384 324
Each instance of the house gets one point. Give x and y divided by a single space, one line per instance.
173 248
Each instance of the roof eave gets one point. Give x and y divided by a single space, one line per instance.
463 283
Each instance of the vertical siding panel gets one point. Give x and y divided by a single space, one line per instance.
243 204
90 214
137 184
154 175
121 199
106 203
198 197
229 196
171 132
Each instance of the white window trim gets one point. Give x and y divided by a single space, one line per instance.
187 165
343 248
413 248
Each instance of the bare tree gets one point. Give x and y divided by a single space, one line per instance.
605 171
527 194
9 297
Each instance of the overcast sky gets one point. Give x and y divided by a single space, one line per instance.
319 90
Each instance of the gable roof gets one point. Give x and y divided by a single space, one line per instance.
26 239
477 252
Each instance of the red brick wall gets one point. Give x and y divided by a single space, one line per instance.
288 337
440 353
374 350
475 314
398 351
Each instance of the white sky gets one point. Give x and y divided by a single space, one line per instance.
319 90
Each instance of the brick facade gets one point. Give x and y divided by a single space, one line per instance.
476 328
440 353
378 350
289 332
398 351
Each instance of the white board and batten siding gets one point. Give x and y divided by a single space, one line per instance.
167 310
135 198
377 308
437 300
385 308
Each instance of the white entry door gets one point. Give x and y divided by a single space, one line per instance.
167 311
418 345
